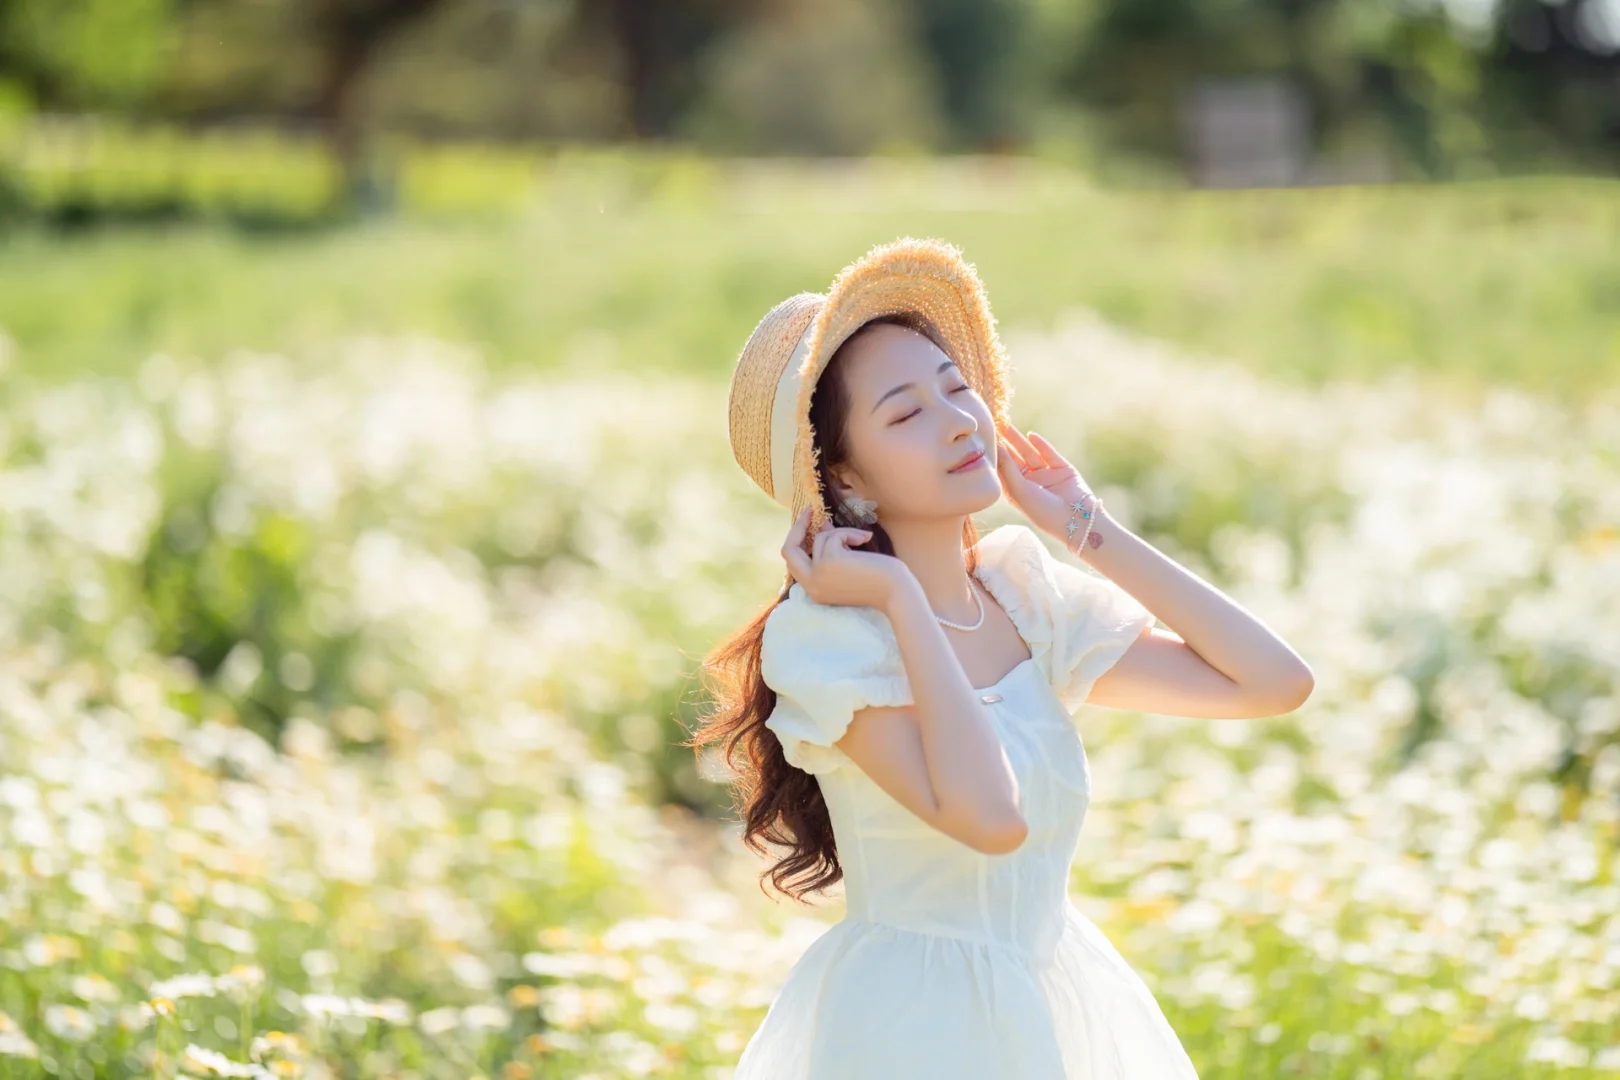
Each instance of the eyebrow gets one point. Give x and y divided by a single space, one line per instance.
909 385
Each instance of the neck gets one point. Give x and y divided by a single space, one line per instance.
932 550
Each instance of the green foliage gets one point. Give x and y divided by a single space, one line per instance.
80 169
841 78
1308 284
78 53
1434 91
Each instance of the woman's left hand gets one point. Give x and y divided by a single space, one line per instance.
1039 481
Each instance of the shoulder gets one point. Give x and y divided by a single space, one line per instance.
1019 561
1076 621
1019 571
1012 547
825 662
805 640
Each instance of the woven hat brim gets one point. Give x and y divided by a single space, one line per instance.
927 279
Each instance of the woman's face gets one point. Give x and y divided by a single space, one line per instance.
912 417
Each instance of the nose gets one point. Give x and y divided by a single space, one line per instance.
962 422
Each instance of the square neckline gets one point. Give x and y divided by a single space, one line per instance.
1030 659
1026 661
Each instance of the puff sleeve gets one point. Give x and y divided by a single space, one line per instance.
1079 621
825 661
1095 622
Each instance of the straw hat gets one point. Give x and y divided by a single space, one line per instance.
776 373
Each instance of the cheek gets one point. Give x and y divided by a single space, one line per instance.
981 413
906 469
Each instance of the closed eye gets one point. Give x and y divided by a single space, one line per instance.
914 412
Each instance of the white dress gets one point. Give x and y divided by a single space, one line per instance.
951 964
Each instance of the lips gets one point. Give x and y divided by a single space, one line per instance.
965 462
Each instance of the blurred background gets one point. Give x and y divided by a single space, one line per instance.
366 506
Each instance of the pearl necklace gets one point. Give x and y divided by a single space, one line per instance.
961 626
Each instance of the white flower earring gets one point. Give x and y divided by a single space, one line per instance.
861 510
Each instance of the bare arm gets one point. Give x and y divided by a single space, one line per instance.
939 756
1221 661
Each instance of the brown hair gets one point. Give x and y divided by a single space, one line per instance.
776 802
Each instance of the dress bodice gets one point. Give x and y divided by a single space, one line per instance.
826 661
903 872
951 963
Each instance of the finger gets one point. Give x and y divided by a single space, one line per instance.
848 537
1027 451
798 563
1006 460
1012 472
793 546
819 543
1009 452
796 531
796 540
1048 452
1020 464
840 534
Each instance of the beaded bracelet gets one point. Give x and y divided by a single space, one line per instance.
1088 513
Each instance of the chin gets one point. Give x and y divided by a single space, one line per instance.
975 502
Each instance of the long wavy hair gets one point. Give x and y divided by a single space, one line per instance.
777 803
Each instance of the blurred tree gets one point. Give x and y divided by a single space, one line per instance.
1436 83
498 69
658 46
349 34
304 61
1406 64
75 54
837 77
1553 73
979 51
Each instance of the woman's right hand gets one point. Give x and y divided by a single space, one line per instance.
833 573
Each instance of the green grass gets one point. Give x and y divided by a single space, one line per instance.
1500 281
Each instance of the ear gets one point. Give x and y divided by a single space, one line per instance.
842 487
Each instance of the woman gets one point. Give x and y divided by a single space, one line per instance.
903 710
